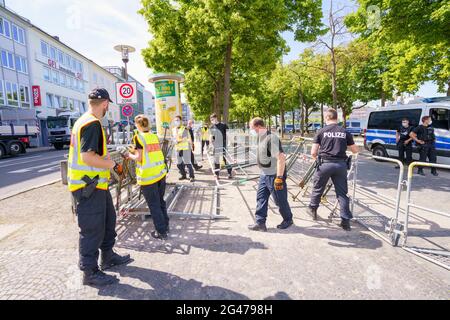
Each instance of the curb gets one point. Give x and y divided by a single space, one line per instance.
31 188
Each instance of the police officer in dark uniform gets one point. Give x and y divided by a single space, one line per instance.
89 168
425 138
404 142
329 149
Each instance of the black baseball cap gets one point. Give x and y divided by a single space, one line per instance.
99 94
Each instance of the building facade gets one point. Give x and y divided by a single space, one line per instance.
15 74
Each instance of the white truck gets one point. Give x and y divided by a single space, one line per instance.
59 129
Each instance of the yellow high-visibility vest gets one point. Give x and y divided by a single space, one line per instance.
153 167
77 169
205 134
182 143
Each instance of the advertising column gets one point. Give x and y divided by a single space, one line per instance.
167 100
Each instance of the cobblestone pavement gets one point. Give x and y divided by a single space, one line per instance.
208 259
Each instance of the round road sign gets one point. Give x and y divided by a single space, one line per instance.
127 111
126 91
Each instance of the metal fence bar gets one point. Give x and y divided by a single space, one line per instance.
409 203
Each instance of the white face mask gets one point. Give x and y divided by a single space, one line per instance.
430 123
253 132
177 123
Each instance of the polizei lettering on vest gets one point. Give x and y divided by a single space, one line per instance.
186 310
339 135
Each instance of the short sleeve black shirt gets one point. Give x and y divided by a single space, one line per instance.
404 132
425 133
92 138
333 141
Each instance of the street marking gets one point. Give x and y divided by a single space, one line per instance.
57 167
24 162
54 163
18 159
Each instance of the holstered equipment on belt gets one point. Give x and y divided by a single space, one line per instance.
89 189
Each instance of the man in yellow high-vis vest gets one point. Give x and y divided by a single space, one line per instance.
151 172
89 168
183 147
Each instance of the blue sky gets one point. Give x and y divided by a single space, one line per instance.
94 27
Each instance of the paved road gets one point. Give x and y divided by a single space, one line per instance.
26 171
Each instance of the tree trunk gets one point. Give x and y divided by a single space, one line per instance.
322 121
448 90
227 81
344 115
282 117
293 121
383 98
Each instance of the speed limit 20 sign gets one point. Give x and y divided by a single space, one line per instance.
126 92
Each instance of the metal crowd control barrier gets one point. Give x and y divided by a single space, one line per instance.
138 205
393 226
409 204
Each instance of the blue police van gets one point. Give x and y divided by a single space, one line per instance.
383 123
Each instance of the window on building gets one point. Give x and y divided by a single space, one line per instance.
18 34
53 53
6 28
24 93
2 93
21 64
74 64
49 100
12 95
1 26
57 102
67 60
80 67
71 83
44 48
71 105
63 79
47 73
8 60
55 77
22 36
65 103
83 107
61 57
76 105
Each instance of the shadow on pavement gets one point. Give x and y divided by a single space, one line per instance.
165 286
134 234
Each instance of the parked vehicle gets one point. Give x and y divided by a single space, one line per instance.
15 139
383 123
355 127
59 129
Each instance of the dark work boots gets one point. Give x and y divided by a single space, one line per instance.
110 259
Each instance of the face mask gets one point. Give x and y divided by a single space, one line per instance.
253 132
430 123
177 123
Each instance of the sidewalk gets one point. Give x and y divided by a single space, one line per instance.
208 259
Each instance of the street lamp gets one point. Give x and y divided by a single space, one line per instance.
125 50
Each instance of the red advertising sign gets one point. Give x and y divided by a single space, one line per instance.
37 101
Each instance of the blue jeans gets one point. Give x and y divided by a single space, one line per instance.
265 189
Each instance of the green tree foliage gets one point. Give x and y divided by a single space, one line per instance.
223 41
413 36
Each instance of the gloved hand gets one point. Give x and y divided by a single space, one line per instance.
279 183
118 169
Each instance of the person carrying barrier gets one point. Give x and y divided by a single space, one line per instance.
151 172
219 144
272 163
89 168
425 139
329 148
183 147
